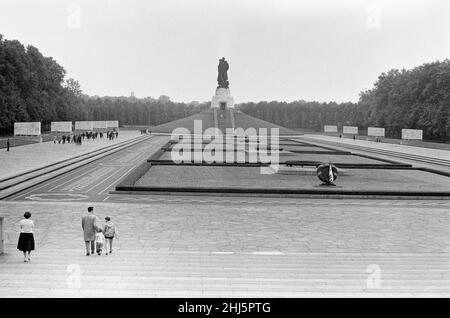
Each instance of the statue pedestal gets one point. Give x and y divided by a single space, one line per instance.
222 99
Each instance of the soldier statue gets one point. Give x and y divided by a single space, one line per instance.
222 77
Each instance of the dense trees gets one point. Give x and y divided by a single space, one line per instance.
133 111
416 99
32 88
302 114
30 84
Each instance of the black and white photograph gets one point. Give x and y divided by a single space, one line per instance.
236 150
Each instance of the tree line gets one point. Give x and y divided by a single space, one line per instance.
416 99
33 88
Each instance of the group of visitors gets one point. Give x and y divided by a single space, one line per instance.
97 238
63 139
112 134
79 137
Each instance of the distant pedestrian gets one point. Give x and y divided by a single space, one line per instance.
26 238
340 135
110 231
7 144
88 223
354 137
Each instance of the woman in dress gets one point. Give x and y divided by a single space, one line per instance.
26 238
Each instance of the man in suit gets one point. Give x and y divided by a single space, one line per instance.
88 223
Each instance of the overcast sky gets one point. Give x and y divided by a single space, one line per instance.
277 50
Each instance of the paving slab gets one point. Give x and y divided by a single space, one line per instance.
369 232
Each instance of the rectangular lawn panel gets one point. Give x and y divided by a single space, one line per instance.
205 177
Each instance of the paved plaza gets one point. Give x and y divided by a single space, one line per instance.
222 246
234 247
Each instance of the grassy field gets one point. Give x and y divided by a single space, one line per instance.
243 120
188 122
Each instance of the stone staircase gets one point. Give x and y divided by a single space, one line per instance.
134 273
233 122
216 121
225 120
187 249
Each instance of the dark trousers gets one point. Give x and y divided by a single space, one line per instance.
92 244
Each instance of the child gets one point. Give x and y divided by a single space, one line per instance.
110 230
99 240
26 238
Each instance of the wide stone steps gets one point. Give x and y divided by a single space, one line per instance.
127 273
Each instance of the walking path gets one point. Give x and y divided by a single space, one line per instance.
25 158
92 181
411 150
